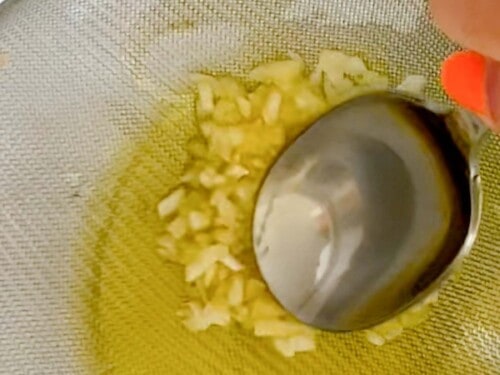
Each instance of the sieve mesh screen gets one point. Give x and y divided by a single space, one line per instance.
94 112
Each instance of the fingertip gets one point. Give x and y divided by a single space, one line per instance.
492 89
473 81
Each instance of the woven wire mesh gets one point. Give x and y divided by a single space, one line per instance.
95 110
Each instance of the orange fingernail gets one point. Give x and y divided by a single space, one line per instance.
463 77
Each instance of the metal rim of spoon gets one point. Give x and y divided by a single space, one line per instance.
325 205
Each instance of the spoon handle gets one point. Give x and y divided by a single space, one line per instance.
469 133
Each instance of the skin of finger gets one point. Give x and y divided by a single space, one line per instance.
475 24
493 93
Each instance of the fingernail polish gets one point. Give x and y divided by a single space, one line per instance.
463 77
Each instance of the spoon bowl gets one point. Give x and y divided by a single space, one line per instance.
368 210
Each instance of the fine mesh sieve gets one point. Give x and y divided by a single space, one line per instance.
94 112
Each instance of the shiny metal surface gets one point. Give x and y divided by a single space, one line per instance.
369 210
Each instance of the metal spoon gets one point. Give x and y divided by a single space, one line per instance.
367 211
